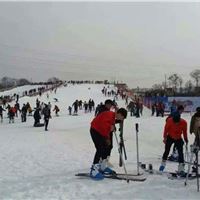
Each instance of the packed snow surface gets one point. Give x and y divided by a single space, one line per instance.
35 164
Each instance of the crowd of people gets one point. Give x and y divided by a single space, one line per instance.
106 115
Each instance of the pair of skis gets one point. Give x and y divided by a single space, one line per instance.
170 175
118 176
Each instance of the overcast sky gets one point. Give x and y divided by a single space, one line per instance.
137 43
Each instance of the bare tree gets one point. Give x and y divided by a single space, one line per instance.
180 82
157 87
196 76
188 86
174 80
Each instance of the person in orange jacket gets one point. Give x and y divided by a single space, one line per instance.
101 127
175 127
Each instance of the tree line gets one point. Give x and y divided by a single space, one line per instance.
173 85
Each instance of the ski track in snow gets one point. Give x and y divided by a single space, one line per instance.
35 164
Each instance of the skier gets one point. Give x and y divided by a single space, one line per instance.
29 111
47 115
90 104
101 127
153 109
75 105
195 128
37 103
17 107
70 110
23 113
56 109
37 117
85 105
178 110
80 104
174 128
1 113
108 104
131 107
11 114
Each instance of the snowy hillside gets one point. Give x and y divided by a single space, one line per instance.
35 164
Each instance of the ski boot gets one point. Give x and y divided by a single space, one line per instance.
194 169
150 169
105 169
95 172
162 166
181 170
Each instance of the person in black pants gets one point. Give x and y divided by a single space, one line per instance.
47 116
175 127
101 127
108 104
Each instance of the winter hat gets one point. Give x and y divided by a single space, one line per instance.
123 112
198 109
176 117
109 101
181 107
197 114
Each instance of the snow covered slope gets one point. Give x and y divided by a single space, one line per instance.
35 164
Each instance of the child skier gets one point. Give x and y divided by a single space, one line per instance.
101 127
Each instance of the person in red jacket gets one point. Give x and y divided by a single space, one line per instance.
175 127
101 127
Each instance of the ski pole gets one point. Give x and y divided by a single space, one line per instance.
197 158
121 158
190 163
137 147
186 153
121 143
197 167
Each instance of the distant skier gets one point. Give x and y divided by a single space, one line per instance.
1 113
56 109
24 113
37 117
17 107
108 104
174 128
153 109
47 115
101 127
90 105
131 108
11 114
70 110
55 99
80 104
85 106
37 103
75 105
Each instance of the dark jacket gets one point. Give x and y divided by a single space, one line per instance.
195 123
